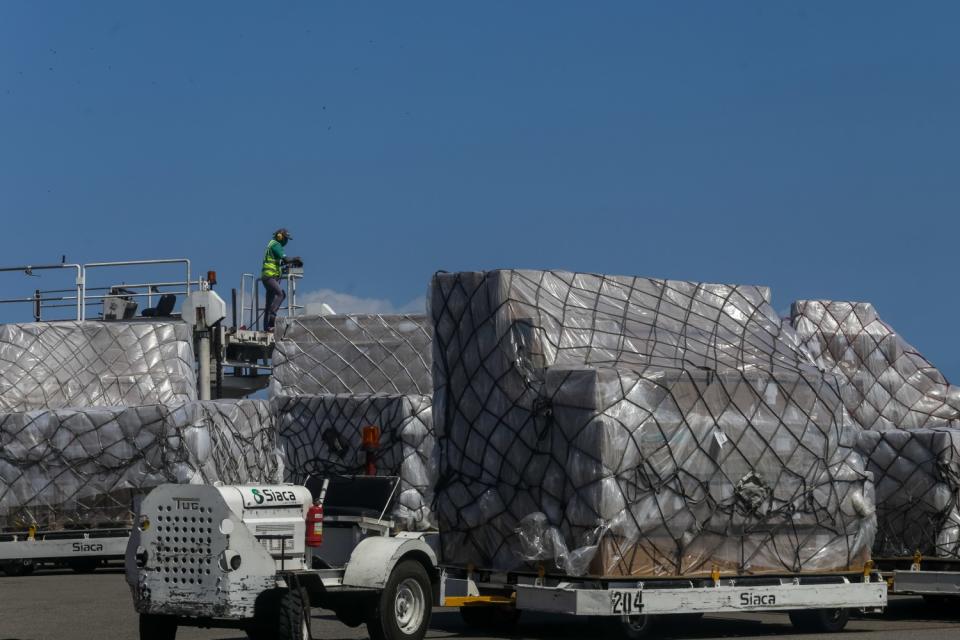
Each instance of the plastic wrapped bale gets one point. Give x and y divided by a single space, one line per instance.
891 385
620 426
64 468
52 365
321 436
917 476
360 354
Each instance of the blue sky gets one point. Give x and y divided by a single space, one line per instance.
811 147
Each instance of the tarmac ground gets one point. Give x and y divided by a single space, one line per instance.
51 605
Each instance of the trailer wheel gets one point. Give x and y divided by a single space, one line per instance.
402 612
19 568
84 565
820 620
157 627
635 627
486 617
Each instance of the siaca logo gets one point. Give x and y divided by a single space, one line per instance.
257 496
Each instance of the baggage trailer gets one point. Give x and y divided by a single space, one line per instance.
816 603
82 550
237 556
936 579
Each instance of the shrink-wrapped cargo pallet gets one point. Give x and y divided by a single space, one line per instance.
334 375
321 436
917 476
355 354
50 365
626 426
912 414
890 384
67 468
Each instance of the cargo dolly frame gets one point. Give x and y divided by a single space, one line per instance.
83 550
936 579
816 603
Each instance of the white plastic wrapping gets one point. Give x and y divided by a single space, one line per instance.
917 476
51 365
358 354
334 375
891 385
628 426
321 436
62 468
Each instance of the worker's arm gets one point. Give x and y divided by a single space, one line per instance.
277 250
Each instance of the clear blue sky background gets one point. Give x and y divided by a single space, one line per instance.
812 147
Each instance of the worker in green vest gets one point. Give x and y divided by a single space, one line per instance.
273 260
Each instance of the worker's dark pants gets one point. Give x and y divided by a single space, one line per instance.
275 297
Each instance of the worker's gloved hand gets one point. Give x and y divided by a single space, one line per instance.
293 261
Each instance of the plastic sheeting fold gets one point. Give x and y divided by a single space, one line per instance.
630 426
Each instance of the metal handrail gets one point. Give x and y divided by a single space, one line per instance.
129 263
29 269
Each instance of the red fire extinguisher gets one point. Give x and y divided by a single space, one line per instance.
315 525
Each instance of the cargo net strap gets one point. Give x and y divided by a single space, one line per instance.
890 385
362 354
81 468
53 365
630 426
917 477
321 436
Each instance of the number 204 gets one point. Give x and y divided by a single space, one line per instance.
625 603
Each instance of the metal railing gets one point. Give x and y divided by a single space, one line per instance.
249 310
82 296
37 299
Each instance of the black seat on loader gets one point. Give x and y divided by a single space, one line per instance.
358 496
164 307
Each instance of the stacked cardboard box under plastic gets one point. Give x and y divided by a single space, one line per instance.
626 426
92 413
911 417
334 375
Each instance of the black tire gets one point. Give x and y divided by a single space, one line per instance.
280 614
820 620
157 627
19 568
402 612
490 617
635 627
84 565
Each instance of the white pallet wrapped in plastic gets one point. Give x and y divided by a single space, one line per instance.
917 476
891 385
51 365
68 468
623 426
334 375
321 435
912 415
357 354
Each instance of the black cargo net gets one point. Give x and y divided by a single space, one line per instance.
630 426
917 477
81 468
891 385
321 436
361 354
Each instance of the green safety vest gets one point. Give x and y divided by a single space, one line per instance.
271 263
